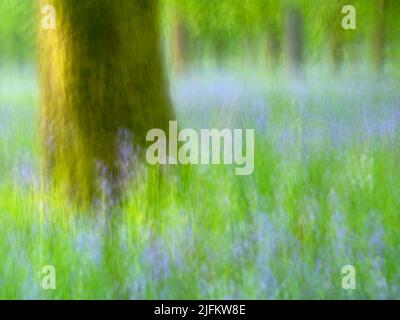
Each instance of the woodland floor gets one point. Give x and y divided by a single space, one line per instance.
325 193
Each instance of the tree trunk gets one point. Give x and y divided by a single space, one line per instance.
219 45
179 43
335 34
378 41
273 48
336 52
294 40
103 87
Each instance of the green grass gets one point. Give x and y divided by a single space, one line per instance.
325 193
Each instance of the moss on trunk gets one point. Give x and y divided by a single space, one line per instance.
101 74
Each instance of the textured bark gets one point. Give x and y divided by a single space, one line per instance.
101 79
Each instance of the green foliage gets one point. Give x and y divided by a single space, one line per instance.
239 26
17 30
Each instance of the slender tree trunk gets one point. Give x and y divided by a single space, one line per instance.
336 52
251 46
180 43
273 48
103 87
220 50
335 34
378 41
294 40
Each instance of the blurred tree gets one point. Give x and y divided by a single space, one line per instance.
335 35
330 28
294 39
180 44
392 32
180 40
274 44
103 87
378 35
220 22
264 19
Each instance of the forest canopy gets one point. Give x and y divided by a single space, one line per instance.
229 30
